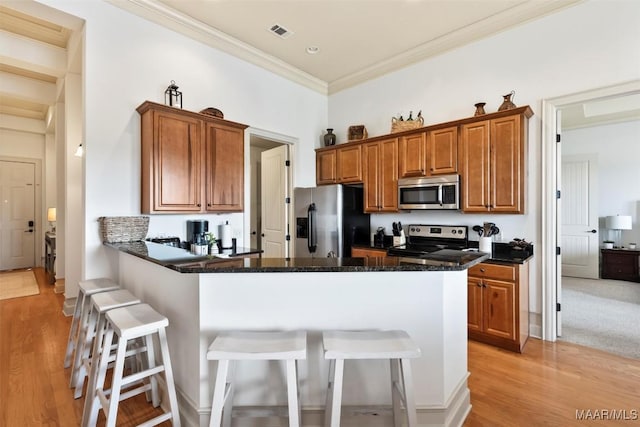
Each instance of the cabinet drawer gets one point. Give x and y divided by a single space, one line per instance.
494 271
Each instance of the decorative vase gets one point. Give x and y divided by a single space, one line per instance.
330 137
479 109
507 104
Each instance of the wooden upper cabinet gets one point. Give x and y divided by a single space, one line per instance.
492 163
189 158
171 162
412 155
349 164
474 171
434 152
339 165
507 165
326 167
381 175
442 151
224 172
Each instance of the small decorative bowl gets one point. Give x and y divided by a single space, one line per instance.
213 112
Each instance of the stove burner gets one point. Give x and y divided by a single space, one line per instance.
424 239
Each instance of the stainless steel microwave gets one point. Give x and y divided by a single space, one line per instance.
436 192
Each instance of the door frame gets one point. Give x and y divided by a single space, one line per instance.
275 137
551 263
38 203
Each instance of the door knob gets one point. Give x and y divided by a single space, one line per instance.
592 231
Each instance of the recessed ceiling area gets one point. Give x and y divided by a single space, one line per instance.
601 112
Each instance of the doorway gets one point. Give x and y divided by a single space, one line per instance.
17 214
270 169
552 212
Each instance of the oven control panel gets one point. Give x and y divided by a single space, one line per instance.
458 232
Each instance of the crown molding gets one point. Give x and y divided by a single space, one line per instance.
157 12
495 24
183 24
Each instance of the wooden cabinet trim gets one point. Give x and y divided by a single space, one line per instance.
525 111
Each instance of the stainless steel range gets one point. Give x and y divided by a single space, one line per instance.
424 238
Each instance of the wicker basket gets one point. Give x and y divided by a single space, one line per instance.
115 229
401 126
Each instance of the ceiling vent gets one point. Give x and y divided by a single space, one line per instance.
280 31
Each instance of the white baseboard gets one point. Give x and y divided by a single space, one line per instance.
535 325
69 306
453 415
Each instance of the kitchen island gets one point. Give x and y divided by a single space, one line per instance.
204 295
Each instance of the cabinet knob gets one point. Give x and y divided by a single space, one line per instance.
482 270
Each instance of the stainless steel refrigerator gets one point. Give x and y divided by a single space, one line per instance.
329 220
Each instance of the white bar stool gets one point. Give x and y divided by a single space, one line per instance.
289 346
130 323
100 303
80 314
394 345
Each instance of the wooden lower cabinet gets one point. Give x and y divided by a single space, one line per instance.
357 252
498 304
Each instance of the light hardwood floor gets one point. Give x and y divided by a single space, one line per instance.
544 386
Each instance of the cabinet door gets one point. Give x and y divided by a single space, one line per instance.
474 163
349 164
176 155
381 176
499 306
371 161
225 168
507 163
412 155
388 175
474 304
368 253
326 172
442 151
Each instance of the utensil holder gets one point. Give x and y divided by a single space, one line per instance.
485 245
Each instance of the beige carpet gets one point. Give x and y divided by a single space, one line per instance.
16 284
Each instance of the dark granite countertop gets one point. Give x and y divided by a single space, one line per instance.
184 262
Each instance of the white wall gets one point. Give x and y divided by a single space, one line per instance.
17 143
136 62
591 45
617 147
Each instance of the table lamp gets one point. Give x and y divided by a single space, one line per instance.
618 223
51 217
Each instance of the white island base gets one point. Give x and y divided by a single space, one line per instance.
430 305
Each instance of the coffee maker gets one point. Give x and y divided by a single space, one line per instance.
196 230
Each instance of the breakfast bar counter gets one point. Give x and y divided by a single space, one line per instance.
204 295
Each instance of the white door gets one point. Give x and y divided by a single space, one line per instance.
17 215
274 189
579 216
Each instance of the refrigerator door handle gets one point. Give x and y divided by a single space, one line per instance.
312 238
